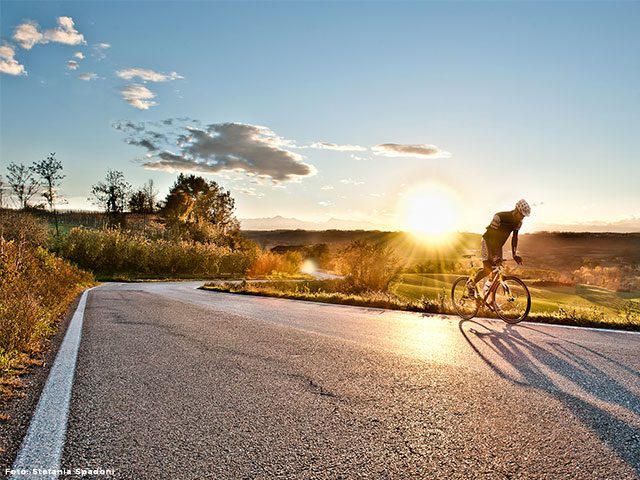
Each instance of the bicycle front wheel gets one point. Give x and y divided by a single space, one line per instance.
512 300
465 305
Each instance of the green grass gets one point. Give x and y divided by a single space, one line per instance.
544 300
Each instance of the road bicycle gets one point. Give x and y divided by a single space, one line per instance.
506 295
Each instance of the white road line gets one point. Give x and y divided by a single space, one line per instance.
41 451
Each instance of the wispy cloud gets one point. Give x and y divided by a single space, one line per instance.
250 191
98 50
138 96
147 75
327 187
327 203
416 151
72 65
337 147
8 63
253 149
87 77
79 55
350 181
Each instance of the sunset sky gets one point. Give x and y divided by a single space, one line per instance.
319 110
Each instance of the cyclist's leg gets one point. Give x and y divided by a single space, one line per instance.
487 263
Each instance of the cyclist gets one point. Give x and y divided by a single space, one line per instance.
498 231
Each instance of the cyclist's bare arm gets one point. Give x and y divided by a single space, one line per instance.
514 247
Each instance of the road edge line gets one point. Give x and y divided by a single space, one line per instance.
43 444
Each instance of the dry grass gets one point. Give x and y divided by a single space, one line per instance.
337 291
36 288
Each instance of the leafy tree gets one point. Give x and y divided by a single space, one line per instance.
145 199
23 183
112 195
194 202
49 171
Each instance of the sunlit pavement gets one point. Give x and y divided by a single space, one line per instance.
175 382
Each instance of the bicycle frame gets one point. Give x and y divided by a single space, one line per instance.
496 280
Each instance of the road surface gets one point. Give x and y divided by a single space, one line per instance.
172 382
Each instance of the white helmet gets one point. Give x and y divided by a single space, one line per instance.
523 207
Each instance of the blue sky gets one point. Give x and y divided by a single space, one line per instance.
502 100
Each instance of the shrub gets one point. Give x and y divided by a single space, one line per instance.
369 266
116 252
36 287
269 263
23 227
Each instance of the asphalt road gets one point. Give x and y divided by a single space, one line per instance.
178 383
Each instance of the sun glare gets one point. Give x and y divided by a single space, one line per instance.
430 211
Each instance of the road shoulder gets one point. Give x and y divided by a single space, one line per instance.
20 409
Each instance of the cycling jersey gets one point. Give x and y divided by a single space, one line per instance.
502 225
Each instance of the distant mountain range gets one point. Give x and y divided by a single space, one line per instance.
282 223
627 225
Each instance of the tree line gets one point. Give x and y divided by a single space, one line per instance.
194 207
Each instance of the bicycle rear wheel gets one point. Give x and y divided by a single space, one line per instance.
512 300
466 307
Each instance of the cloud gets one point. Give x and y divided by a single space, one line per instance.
138 96
350 181
8 63
147 75
27 35
98 50
326 204
72 65
416 151
339 148
79 55
64 33
255 150
327 187
250 191
87 77
145 143
356 157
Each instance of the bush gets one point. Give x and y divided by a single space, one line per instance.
269 263
36 288
116 252
369 266
23 227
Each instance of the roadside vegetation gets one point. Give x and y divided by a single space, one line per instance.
375 276
36 289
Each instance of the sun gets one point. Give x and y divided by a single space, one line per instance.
430 211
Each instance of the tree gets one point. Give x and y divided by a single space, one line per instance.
192 201
49 171
145 199
112 195
23 183
1 192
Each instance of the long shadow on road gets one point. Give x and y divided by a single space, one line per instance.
562 369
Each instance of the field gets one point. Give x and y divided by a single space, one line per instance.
545 299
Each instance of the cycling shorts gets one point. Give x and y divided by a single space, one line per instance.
489 254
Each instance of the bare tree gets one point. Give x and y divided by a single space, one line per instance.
49 171
22 182
1 192
112 195
144 199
